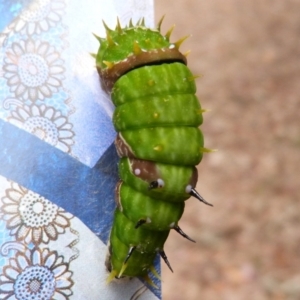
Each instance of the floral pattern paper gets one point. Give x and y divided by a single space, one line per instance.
56 196
39 273
33 70
46 123
31 218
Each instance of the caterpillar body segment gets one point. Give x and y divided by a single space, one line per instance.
173 181
168 145
157 117
140 208
163 79
185 108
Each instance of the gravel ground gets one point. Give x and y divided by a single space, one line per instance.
248 244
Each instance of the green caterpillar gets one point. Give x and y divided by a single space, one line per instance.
157 117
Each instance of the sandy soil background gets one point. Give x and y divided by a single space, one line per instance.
248 244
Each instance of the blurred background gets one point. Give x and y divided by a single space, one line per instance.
248 244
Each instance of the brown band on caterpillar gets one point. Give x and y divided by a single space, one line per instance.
109 76
144 169
123 149
147 171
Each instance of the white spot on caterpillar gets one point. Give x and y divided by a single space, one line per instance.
148 220
160 182
172 225
137 172
188 189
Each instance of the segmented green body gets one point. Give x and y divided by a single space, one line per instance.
157 117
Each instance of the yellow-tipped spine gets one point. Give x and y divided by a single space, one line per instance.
180 41
169 32
106 27
192 78
142 22
123 269
111 276
187 53
150 282
109 39
207 150
130 23
94 55
154 272
204 110
109 64
136 48
100 39
118 27
158 27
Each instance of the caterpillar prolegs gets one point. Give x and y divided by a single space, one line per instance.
157 117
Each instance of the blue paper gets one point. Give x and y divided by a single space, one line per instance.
58 165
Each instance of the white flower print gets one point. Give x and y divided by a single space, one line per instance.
40 16
46 123
32 218
33 69
36 274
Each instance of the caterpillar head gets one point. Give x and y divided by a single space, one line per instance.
126 48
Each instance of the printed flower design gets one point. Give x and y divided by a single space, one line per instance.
36 274
33 69
46 123
40 16
32 218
